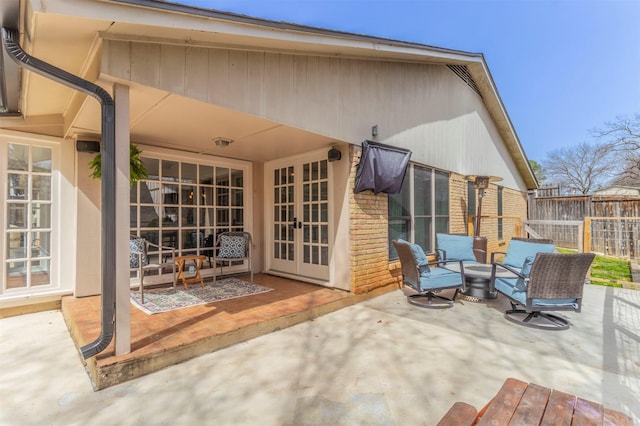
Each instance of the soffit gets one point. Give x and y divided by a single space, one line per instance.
162 119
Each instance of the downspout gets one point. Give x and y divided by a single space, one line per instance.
107 150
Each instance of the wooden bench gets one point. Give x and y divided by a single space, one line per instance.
519 403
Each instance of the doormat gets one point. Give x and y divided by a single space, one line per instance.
163 300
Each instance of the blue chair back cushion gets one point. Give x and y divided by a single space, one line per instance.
457 247
519 251
420 256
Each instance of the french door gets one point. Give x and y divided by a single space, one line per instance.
299 234
29 195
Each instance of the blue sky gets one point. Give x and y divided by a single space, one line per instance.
562 68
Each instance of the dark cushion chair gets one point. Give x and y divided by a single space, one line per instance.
426 281
546 282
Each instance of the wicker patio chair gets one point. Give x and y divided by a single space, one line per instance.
548 282
426 281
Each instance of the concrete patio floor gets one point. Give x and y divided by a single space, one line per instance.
379 362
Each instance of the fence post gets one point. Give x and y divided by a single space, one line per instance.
586 235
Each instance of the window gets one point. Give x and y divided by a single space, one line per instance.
471 196
421 209
181 203
29 223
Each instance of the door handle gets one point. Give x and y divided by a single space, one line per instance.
295 224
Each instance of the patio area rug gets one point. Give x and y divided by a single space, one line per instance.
165 299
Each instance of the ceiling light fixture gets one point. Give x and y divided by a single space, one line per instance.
222 142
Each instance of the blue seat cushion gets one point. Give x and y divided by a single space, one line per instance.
457 247
519 250
440 278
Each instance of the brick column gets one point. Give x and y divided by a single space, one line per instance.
368 221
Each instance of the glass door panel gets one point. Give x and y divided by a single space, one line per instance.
28 227
300 214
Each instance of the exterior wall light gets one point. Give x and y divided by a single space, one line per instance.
334 155
222 142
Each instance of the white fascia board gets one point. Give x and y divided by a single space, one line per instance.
204 22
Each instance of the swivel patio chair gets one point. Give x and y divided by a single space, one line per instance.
548 282
139 260
230 248
426 281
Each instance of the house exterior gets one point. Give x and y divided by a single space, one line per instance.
280 96
618 190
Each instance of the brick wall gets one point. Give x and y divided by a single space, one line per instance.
368 235
514 203
458 204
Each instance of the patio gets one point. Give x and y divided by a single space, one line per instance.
380 361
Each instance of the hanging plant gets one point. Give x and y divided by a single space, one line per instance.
137 171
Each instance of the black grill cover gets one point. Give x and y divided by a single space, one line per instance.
381 168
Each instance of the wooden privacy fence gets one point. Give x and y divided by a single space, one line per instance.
579 207
564 233
612 236
610 223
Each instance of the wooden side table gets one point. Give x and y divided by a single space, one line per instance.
183 269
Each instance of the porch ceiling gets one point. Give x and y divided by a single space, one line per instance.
158 118
163 119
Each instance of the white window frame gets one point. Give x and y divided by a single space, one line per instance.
54 285
161 154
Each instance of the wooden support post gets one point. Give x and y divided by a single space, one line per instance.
586 236
123 190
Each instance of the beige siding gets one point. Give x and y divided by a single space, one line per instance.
423 107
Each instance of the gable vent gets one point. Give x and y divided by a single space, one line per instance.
463 72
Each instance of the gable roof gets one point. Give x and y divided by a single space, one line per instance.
159 21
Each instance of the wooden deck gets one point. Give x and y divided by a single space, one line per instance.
163 339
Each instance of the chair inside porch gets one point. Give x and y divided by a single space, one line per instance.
164 339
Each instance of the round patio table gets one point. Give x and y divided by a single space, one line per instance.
477 278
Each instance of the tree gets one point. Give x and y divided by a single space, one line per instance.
538 171
582 168
622 137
